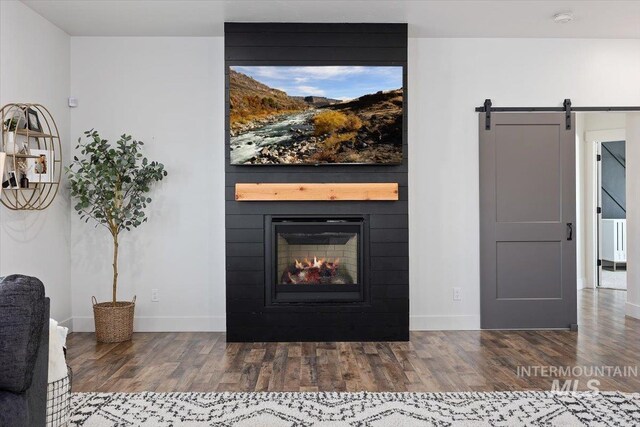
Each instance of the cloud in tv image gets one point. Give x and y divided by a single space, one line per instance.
315 114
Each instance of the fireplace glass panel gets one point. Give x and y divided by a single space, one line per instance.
317 258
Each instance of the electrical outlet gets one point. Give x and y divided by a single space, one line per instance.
457 294
155 295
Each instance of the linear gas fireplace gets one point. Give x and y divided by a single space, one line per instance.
315 260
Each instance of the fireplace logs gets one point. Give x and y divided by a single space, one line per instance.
316 272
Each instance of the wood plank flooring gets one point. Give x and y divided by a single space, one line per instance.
430 361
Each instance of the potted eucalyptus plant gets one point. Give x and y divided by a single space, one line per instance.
110 184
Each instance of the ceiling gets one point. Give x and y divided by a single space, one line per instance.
426 18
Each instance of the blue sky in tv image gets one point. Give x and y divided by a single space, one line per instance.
336 82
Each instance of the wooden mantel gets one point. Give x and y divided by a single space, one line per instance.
251 192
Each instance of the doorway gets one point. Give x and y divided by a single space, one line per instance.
613 219
511 288
606 236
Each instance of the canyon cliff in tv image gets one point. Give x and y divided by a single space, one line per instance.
309 115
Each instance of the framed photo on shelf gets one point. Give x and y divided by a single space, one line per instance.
33 121
39 168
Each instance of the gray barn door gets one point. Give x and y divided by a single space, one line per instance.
527 222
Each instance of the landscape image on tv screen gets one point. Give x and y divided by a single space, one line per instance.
297 115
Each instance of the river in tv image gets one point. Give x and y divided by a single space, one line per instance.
315 115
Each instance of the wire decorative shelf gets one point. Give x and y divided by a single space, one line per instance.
31 141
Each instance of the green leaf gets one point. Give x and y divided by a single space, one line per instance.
110 182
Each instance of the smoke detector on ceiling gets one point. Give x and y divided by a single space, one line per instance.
563 17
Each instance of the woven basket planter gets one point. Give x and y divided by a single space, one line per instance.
114 323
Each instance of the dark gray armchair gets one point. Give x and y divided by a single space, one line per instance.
24 351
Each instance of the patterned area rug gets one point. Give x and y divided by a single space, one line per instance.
355 409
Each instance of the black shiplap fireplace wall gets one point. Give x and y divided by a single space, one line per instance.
385 315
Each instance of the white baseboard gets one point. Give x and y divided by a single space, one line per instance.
218 323
162 324
582 283
632 310
67 323
444 323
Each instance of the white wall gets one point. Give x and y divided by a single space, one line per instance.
447 79
34 67
633 214
169 93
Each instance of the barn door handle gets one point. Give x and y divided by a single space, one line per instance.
569 231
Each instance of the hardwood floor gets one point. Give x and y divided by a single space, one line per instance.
431 361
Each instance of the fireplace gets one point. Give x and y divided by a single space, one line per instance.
361 297
315 260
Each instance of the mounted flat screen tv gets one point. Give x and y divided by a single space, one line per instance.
313 115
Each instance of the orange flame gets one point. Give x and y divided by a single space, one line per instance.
317 263
310 272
